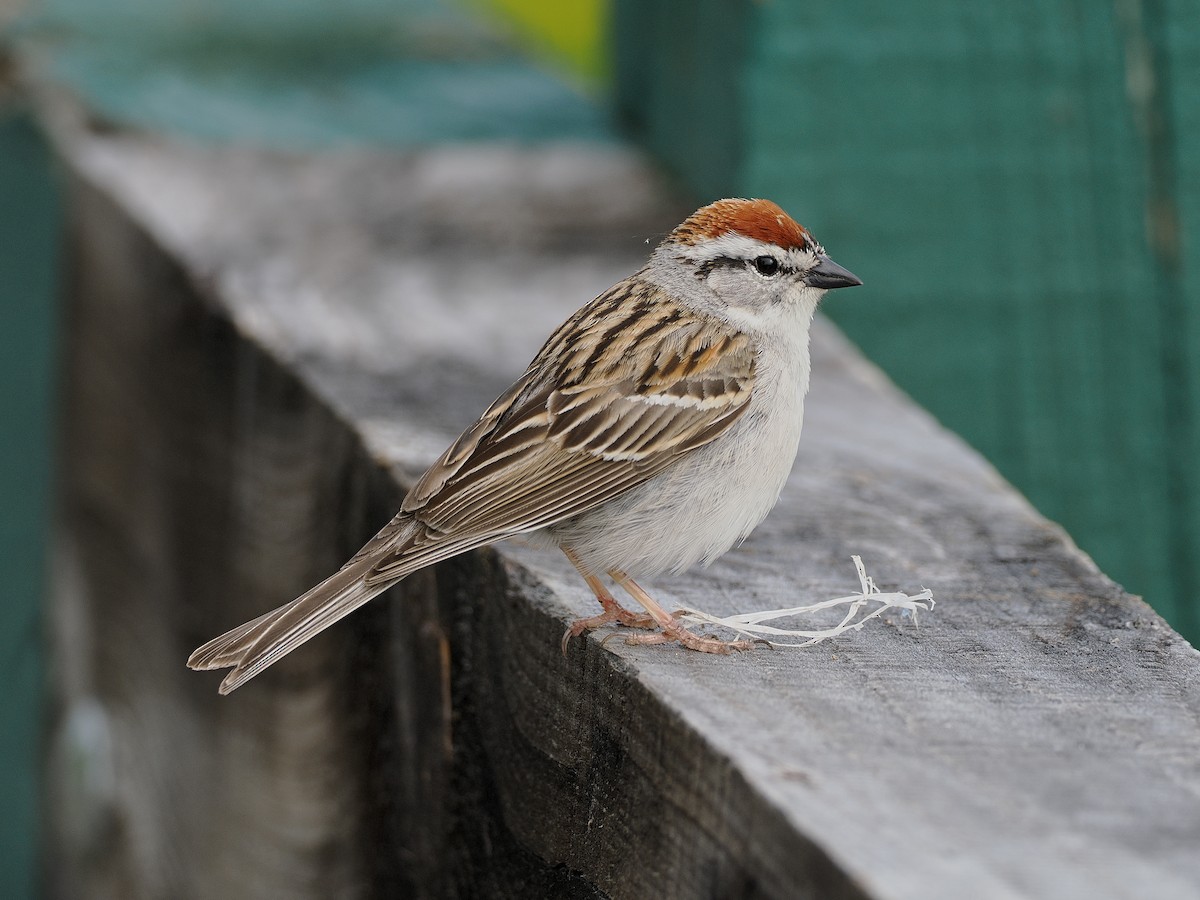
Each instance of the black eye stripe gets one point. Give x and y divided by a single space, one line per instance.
734 262
721 262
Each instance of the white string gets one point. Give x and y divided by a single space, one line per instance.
748 624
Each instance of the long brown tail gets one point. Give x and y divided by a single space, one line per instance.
252 647
401 548
259 643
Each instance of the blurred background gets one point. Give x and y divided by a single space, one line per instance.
1016 184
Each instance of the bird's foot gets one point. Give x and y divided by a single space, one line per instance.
612 615
672 629
677 633
654 617
614 612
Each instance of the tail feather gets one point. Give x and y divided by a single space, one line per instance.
252 647
257 644
229 648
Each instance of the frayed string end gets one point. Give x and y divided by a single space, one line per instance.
750 624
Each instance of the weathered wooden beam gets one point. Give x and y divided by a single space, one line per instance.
264 350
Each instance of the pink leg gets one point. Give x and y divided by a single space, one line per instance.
671 629
613 611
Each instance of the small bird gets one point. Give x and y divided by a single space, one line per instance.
653 430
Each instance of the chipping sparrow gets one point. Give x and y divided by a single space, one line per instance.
654 430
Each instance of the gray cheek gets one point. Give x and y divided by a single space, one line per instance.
723 279
742 287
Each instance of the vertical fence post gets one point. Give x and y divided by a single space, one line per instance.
28 231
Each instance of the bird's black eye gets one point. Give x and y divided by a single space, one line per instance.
766 265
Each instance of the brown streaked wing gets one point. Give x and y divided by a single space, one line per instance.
468 442
557 445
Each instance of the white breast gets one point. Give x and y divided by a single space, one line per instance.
715 496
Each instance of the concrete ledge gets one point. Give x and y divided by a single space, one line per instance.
264 349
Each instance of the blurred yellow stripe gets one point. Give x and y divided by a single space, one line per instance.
572 33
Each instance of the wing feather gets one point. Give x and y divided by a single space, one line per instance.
563 441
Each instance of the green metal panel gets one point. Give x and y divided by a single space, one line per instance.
678 79
28 236
1017 185
1173 38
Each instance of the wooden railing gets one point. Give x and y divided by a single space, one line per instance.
263 351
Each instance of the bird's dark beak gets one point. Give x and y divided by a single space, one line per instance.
828 275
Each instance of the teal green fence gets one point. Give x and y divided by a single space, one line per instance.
1018 186
305 74
29 224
